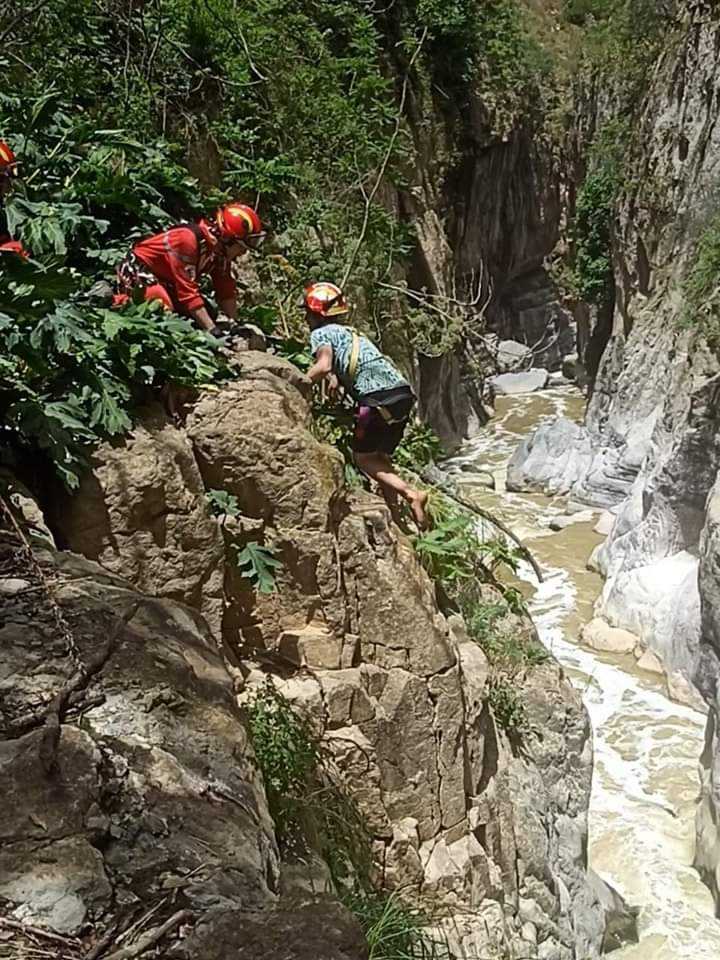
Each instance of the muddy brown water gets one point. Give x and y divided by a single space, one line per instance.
645 781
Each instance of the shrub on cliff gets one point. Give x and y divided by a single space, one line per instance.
701 289
72 373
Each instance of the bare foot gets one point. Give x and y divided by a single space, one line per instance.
417 501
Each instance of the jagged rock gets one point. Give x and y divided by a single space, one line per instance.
141 512
514 383
316 929
707 674
354 637
549 459
620 919
159 782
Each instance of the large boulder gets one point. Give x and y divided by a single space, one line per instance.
460 820
141 512
516 383
148 785
512 356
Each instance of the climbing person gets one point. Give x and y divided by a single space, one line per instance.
383 397
167 266
8 173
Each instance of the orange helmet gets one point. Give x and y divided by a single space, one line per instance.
326 299
237 221
8 161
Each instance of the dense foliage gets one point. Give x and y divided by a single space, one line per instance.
462 559
620 41
130 115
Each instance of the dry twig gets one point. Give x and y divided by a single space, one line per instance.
150 938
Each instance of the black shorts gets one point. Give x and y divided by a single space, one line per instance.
373 433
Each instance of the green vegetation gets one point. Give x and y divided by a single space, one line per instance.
222 503
701 289
127 118
312 813
455 554
419 447
258 564
71 373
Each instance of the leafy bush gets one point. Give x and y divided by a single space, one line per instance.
506 705
455 553
595 206
72 374
509 650
419 447
222 503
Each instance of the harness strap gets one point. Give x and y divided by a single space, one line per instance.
354 357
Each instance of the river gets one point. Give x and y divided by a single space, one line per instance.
645 781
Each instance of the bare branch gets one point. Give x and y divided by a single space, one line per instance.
386 160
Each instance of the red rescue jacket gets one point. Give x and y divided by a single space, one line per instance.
178 257
7 244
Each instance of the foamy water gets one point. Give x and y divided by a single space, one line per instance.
645 782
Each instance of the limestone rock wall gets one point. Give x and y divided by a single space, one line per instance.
649 448
489 835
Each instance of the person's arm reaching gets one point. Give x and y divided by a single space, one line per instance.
323 364
203 318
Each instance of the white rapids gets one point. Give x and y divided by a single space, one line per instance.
645 782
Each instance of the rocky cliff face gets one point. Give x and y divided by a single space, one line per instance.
154 787
485 208
649 447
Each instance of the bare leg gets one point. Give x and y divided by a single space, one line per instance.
379 467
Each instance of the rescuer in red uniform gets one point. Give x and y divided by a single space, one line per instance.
167 266
8 172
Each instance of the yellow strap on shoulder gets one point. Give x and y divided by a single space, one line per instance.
354 357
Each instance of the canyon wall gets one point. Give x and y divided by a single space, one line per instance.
649 448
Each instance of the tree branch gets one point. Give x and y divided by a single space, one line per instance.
384 165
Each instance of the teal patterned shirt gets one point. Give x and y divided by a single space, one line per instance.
374 371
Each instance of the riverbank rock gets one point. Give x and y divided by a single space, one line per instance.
601 636
513 356
707 679
515 383
562 522
621 920
550 459
464 820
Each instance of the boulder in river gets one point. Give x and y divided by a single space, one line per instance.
514 383
599 635
512 356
